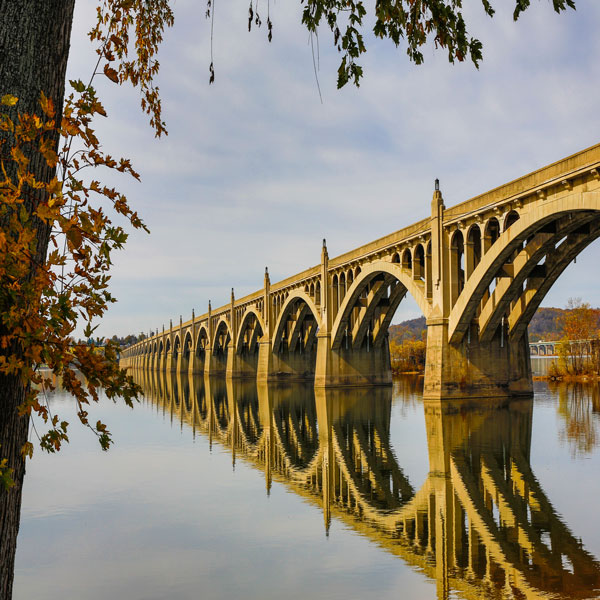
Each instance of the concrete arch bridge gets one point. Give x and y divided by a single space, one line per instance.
584 347
479 525
478 271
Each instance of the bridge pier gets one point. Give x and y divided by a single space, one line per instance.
217 363
170 362
183 362
264 365
243 364
369 365
475 369
284 365
193 367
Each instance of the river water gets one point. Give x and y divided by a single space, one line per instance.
226 490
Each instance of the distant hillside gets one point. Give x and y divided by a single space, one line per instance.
411 329
542 326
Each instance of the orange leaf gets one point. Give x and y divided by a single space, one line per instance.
47 105
111 73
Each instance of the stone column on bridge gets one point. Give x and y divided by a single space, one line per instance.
161 359
265 352
208 349
171 365
235 366
182 356
324 363
470 368
192 358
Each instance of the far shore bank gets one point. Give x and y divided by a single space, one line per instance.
567 378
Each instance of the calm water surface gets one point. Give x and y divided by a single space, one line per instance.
229 490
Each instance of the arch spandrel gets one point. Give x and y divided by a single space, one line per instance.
368 271
537 215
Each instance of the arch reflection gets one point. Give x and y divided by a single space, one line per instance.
480 525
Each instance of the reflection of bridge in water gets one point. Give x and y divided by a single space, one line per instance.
480 524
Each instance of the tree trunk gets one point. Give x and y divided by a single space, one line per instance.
34 46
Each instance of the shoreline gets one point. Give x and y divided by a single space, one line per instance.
567 378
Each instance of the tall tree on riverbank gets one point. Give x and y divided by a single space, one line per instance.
38 308
579 323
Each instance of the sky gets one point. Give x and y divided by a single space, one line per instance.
257 169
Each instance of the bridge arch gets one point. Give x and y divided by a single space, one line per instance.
473 249
250 330
184 352
200 348
294 342
295 300
419 265
222 337
523 264
352 321
246 347
202 339
188 343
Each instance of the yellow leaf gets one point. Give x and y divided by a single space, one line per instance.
48 152
47 105
9 100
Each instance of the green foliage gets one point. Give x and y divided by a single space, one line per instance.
413 23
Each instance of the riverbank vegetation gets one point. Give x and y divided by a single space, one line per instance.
579 348
407 348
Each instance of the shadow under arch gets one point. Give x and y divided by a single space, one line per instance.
294 342
221 347
250 331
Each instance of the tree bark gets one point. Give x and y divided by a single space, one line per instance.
34 47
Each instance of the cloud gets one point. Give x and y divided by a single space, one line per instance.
256 171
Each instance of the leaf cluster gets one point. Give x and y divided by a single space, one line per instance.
129 33
412 22
56 236
41 301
